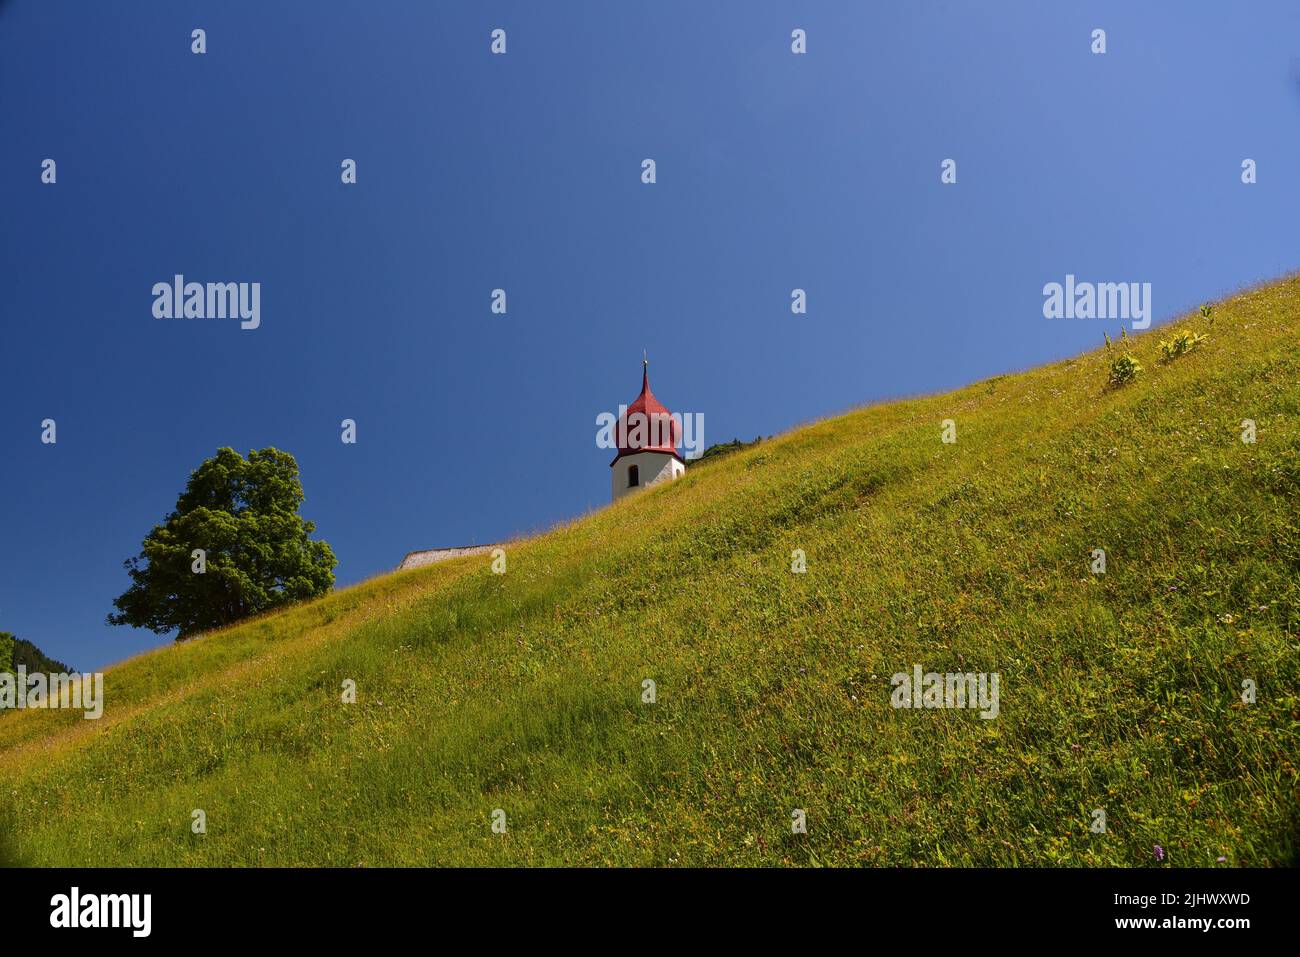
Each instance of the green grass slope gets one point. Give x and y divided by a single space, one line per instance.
523 691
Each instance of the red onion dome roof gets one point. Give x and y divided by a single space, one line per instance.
656 432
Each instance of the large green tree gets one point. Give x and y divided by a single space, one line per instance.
243 514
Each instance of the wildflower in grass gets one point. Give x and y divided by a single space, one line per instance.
1124 370
1180 343
1160 852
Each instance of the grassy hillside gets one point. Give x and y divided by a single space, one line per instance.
523 691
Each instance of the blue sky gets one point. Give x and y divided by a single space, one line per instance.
775 171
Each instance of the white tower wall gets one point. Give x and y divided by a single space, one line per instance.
652 467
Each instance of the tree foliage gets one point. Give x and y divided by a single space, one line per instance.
243 514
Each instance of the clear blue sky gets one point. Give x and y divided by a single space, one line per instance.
522 171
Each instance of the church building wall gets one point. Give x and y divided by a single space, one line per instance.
652 467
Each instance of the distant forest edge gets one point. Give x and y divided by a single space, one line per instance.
17 652
714 452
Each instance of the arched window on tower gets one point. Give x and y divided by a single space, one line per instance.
633 476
